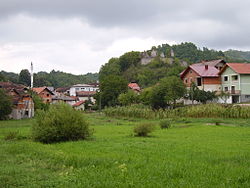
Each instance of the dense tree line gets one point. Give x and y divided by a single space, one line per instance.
54 78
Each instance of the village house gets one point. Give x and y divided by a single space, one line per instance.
80 105
23 105
63 98
44 93
84 91
83 87
135 87
63 90
204 76
235 78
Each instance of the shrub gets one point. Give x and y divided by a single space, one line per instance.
60 123
165 124
143 129
11 135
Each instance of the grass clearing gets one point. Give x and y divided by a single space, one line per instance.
190 154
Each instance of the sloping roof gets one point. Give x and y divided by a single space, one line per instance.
9 86
240 68
38 90
78 103
64 98
202 71
85 93
211 63
62 89
134 86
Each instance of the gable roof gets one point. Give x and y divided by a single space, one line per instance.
202 71
38 90
240 68
78 103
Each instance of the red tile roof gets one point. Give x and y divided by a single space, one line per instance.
38 90
78 103
202 70
240 68
134 86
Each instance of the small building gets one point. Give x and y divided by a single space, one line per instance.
80 105
204 76
83 87
63 90
135 87
44 93
63 98
86 95
23 105
235 79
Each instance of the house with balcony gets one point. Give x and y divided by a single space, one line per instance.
235 80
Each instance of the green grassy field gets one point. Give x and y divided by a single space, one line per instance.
193 153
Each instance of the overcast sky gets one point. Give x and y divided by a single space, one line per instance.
79 36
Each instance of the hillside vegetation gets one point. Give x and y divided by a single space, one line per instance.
237 55
53 78
161 65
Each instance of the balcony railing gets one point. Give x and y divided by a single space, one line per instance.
234 92
231 92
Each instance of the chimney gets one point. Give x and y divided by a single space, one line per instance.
206 67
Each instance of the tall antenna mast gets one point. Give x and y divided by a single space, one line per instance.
31 74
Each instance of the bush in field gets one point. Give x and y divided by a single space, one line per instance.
143 129
165 124
60 123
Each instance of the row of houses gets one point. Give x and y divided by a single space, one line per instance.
218 76
76 96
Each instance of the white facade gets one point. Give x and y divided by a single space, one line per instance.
82 87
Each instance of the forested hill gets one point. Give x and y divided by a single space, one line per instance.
237 55
54 78
148 67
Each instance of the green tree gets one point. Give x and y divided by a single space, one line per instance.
128 59
110 68
195 94
146 95
2 78
128 98
5 104
24 77
110 88
167 91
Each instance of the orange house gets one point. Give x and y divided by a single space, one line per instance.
44 93
206 77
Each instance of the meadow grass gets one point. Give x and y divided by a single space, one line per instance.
193 153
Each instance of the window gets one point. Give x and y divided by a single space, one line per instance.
186 80
225 88
198 81
235 77
225 78
47 95
247 96
191 80
190 71
233 89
